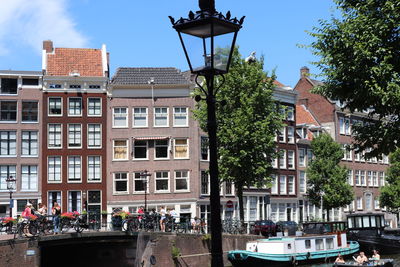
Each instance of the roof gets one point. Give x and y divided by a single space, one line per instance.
303 115
21 72
138 76
85 61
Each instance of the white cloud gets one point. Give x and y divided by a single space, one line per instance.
29 22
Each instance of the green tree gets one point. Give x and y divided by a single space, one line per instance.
325 177
359 59
247 125
390 193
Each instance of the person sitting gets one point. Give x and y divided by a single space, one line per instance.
361 259
375 255
339 259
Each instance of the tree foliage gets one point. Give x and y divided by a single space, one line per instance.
247 124
390 194
326 177
359 58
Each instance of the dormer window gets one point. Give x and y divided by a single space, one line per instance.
302 132
30 81
93 86
9 86
55 86
75 86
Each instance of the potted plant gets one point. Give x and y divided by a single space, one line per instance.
117 218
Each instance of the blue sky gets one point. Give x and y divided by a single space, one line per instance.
139 33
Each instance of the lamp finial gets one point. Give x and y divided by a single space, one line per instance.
207 5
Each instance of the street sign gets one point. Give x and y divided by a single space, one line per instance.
11 203
229 204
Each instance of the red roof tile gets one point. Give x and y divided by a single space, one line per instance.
304 116
87 62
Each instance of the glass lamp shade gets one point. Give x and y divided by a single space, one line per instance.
11 182
208 40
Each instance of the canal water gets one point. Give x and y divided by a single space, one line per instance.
396 258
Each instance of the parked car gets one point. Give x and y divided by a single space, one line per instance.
290 226
264 227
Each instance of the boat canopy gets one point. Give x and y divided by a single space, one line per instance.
366 220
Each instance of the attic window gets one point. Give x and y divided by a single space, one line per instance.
9 86
55 86
30 81
94 86
75 86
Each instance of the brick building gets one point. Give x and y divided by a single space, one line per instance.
366 176
74 127
20 126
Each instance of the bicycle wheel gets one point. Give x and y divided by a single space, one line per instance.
125 225
181 228
78 227
33 228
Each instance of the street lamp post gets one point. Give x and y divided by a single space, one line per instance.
145 174
322 205
11 182
208 40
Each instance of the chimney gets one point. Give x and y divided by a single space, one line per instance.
304 72
48 46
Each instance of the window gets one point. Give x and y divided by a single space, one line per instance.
274 186
290 134
75 86
329 243
376 203
375 179
140 117
309 156
30 81
53 196
368 202
8 143
385 159
140 149
290 113
362 178
74 106
274 162
29 143
282 185
162 181
180 116
74 168
9 86
181 181
347 155
290 159
350 177
302 157
55 106
282 159
94 136
302 132
29 178
94 86
120 117
307 243
229 188
205 183
291 186
94 202
55 86
54 136
8 111
121 183
6 171
357 156
357 178
282 135
382 178
359 203
319 244
160 117
344 124
94 168
54 169
94 106
303 182
74 136
181 149
29 111
74 201
140 183
161 149
370 181
120 148
204 148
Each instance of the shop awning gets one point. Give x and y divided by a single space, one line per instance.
151 138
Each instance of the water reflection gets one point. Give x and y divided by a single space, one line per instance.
396 258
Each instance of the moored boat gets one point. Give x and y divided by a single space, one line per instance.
284 251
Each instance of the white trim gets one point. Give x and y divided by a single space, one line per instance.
187 117
17 110
38 143
48 106
81 134
38 111
127 150
155 149
155 182
68 191
133 117
87 169
104 60
115 193
61 170
126 117
80 171
187 145
101 136
134 192
48 136
187 181
133 150
101 107
68 109
154 118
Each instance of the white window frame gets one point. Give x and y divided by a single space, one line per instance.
88 135
29 143
88 107
187 146
9 173
61 171
342 126
289 179
381 179
140 114
127 149
147 150
30 176
359 203
140 178
114 115
38 111
75 166
357 177
11 143
80 133
291 158
347 126
370 180
204 173
80 200
202 148
19 83
186 114
302 159
48 107
274 184
375 178
290 113
350 177
100 168
61 136
302 179
282 189
162 178
282 159
282 133
161 146
290 134
115 192
74 109
363 178
155 114
187 178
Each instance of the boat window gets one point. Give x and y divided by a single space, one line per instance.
307 243
289 246
329 243
358 222
378 221
366 221
373 222
319 244
350 222
383 223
